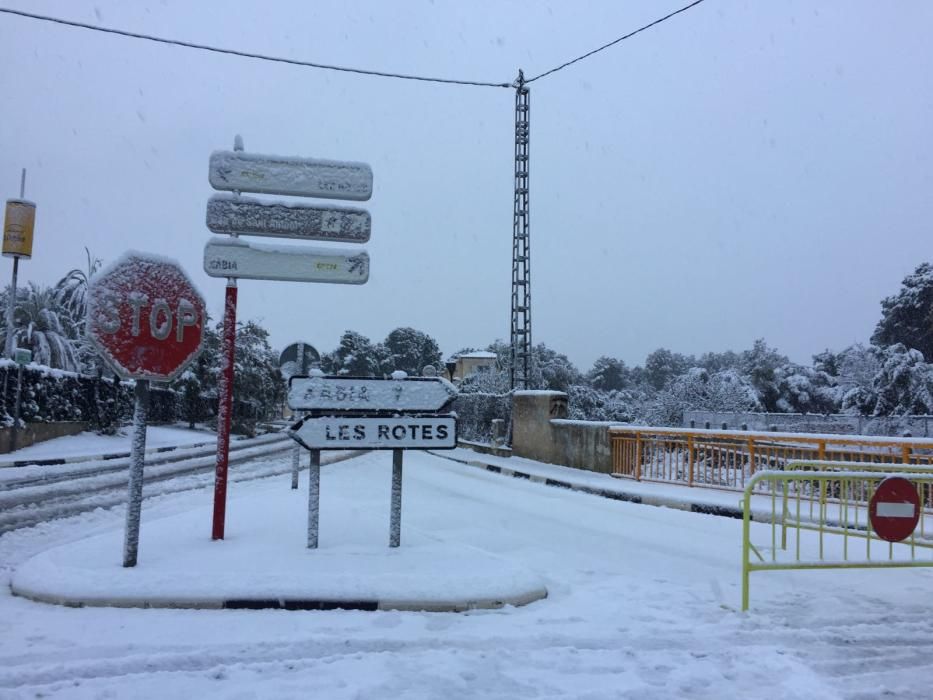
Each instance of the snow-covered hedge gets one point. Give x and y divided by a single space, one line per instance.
50 395
475 413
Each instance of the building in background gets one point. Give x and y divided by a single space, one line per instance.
470 362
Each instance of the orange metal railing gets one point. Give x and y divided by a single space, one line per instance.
726 459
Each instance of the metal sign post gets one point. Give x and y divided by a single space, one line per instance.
18 226
314 498
395 510
137 461
146 319
363 413
296 359
224 411
235 171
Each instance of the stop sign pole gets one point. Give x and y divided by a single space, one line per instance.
146 319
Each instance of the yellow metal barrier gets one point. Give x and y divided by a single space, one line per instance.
727 459
825 510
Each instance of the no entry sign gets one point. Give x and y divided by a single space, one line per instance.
146 317
894 510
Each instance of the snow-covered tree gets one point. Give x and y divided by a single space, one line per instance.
907 317
662 366
759 365
718 361
904 385
698 390
354 356
852 372
552 370
587 403
71 293
803 390
257 377
41 325
608 374
409 350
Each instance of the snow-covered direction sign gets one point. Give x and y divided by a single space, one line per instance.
232 257
300 177
358 395
228 214
391 433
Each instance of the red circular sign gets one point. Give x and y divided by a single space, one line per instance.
145 317
894 510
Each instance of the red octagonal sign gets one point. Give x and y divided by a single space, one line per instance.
894 510
146 317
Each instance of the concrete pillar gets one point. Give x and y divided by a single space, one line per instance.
532 434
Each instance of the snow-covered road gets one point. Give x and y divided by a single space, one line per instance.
642 604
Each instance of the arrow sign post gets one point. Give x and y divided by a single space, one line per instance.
300 177
235 171
227 214
233 257
376 414
358 395
366 433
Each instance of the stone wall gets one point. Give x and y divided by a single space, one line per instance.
38 432
838 424
541 432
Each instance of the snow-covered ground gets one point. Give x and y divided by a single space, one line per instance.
93 444
642 604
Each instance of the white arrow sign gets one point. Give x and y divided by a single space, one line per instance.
232 257
395 433
425 394
301 177
230 214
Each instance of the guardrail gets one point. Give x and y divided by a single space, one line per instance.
727 459
822 512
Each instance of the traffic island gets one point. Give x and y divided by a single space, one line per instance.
264 563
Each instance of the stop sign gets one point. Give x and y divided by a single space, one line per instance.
145 317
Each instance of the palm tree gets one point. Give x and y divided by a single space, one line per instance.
71 292
38 325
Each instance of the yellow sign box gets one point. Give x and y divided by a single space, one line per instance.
18 225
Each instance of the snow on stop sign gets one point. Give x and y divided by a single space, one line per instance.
145 317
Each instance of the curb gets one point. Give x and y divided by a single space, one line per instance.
614 494
98 457
295 604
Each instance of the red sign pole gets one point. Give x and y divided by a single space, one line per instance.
223 411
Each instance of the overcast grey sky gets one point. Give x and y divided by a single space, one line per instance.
744 170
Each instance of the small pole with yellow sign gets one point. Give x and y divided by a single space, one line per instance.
18 225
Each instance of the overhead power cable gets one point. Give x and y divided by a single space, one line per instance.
247 54
615 41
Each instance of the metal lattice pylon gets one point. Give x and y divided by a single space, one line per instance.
520 367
